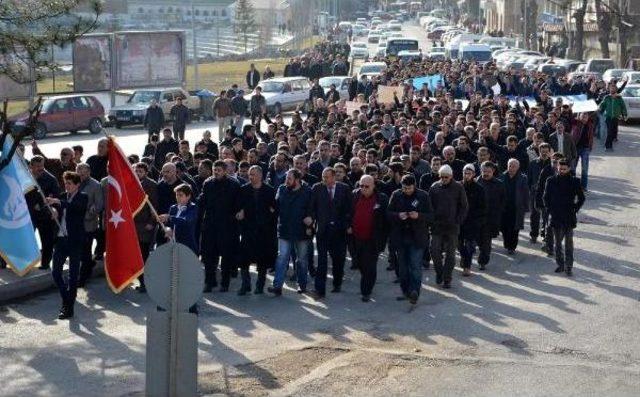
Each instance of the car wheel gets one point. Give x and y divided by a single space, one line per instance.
40 131
95 126
277 109
73 132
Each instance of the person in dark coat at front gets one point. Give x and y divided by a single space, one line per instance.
219 204
494 199
516 205
154 118
449 203
475 219
258 222
253 77
295 229
369 232
167 145
180 114
563 197
331 210
409 214
70 209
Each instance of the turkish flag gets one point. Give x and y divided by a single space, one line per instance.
125 197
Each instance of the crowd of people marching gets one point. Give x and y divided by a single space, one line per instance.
421 178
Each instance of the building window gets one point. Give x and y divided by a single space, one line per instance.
205 13
161 11
214 13
197 12
140 10
223 13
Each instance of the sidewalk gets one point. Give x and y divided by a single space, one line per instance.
14 287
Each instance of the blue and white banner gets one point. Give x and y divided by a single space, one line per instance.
431 81
18 245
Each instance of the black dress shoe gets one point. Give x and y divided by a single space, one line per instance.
401 298
439 279
365 298
569 272
275 291
511 252
302 290
142 289
559 269
413 297
483 267
258 291
336 289
446 285
317 295
65 313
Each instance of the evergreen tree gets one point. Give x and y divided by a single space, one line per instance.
245 22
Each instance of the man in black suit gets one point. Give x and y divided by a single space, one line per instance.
331 210
70 209
253 77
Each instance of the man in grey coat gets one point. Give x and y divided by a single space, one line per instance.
95 205
450 206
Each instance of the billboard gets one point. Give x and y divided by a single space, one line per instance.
10 89
92 63
149 59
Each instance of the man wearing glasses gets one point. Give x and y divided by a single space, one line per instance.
410 213
449 202
369 231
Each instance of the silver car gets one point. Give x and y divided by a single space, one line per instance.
284 93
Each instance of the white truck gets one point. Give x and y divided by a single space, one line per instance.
135 109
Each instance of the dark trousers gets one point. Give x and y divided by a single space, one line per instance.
262 265
410 267
100 243
86 260
66 248
612 132
548 235
444 243
467 248
333 243
564 257
509 232
211 265
484 246
47 233
256 118
365 258
145 249
178 132
534 216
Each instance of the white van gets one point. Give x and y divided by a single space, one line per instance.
475 52
284 93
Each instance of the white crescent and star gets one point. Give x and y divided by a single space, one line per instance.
116 216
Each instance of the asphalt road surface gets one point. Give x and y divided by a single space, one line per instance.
517 329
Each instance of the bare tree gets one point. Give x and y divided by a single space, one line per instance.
578 38
29 28
604 28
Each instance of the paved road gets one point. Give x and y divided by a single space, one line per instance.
517 329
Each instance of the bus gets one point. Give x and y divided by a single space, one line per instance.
396 44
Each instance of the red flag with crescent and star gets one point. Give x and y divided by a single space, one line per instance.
125 197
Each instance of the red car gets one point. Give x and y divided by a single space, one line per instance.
68 113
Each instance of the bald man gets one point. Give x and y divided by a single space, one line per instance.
368 230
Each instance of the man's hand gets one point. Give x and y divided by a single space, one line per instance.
163 218
413 215
52 200
402 215
240 215
308 221
149 227
349 230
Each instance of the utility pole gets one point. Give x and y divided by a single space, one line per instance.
195 46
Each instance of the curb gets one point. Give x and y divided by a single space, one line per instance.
36 283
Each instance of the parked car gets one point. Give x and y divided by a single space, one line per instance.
135 109
374 36
67 113
631 97
611 74
284 93
599 65
359 50
632 77
371 69
437 53
358 29
409 56
436 33
341 83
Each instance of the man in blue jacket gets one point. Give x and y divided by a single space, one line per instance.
293 200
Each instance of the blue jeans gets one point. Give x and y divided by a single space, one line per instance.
282 263
410 268
583 155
